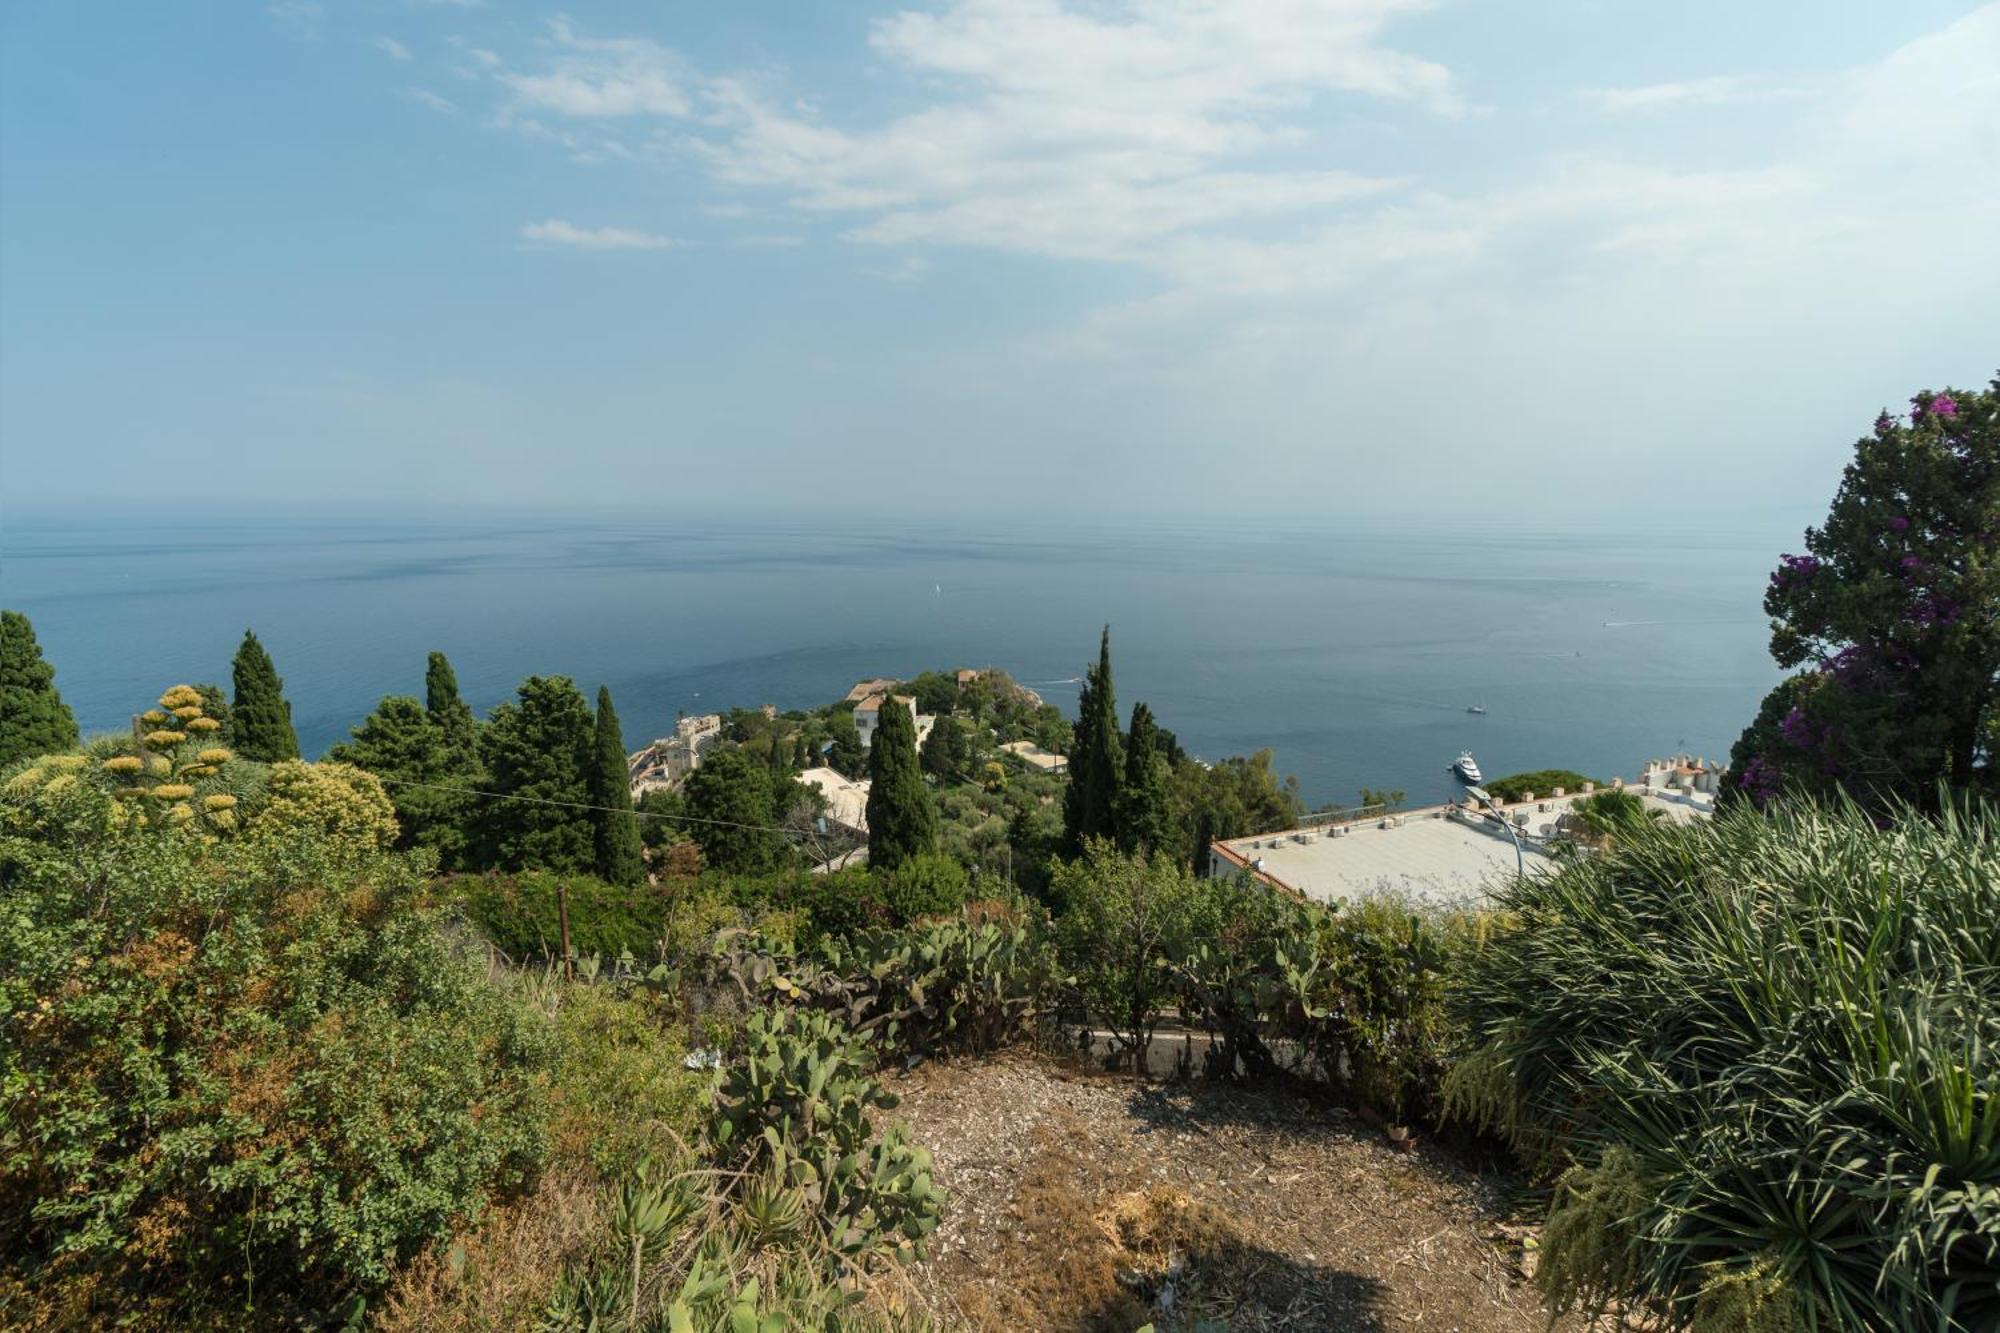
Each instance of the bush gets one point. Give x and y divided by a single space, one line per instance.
1781 1037
521 915
622 1094
1119 919
1361 990
243 1074
1541 782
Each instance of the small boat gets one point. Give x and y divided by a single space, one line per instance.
1476 710
1466 769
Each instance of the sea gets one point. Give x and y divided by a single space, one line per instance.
1352 649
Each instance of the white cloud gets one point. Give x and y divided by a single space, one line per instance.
302 17
592 76
555 231
425 97
1084 131
1698 92
908 269
392 48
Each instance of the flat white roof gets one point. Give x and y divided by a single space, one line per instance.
1423 855
846 798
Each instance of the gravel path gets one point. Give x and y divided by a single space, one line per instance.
1082 1200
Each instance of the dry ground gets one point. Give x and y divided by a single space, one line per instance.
1082 1200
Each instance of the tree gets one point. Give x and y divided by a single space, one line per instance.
845 756
732 813
902 819
1895 612
441 700
1240 796
33 718
1146 817
619 859
261 717
1090 806
538 748
402 745
947 750
215 704
1117 918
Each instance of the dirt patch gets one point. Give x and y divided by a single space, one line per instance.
1083 1201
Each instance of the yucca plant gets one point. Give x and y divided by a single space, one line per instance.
1779 1031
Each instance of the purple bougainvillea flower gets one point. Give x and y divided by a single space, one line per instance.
1914 565
1884 423
1932 610
1944 405
1899 523
1798 729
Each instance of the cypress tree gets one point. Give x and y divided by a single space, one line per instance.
902 820
540 745
619 860
1091 805
260 716
441 700
33 718
1145 819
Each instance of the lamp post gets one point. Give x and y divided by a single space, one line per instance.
1481 795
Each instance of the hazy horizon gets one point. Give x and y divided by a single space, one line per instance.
1518 263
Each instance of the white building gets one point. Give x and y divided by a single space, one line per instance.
868 714
1444 855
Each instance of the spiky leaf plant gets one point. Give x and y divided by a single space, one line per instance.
1783 1029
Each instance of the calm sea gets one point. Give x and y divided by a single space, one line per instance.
1352 649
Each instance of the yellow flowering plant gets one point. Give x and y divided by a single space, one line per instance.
169 765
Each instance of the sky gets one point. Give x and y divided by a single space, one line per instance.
1493 262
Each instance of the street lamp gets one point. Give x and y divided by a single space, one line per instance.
1481 795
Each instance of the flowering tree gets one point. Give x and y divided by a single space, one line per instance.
1893 615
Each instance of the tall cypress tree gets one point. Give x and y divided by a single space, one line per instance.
1145 818
260 716
1090 806
451 713
33 718
619 860
902 820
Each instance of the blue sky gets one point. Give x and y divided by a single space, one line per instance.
1532 258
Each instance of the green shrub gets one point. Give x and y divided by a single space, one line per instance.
521 915
244 1073
621 1095
1786 1031
1361 989
1119 920
1542 781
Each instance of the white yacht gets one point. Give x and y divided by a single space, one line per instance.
1466 768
